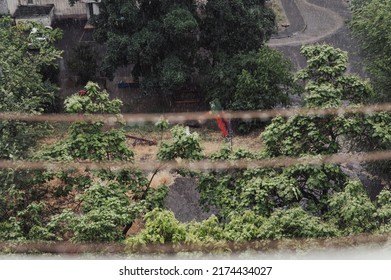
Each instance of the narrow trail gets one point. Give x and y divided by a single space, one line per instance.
315 23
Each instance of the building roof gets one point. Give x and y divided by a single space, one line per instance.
30 11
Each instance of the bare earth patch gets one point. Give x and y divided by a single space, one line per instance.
211 141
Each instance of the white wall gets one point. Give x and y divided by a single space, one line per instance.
45 20
61 7
12 5
3 7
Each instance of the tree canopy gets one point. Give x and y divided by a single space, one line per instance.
370 23
81 204
171 43
323 191
26 50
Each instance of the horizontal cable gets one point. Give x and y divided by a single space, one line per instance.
264 246
201 165
200 116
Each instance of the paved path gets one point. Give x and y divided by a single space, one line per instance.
324 22
311 23
296 25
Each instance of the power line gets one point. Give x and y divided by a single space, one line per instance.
200 116
201 165
68 248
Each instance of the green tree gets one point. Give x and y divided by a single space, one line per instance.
161 227
92 140
170 43
83 62
184 145
158 37
315 188
326 87
370 23
295 223
22 85
352 209
106 209
109 200
356 4
81 204
234 26
383 212
251 81
26 51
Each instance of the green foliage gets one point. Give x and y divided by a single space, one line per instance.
356 4
258 190
235 25
160 227
327 87
83 62
172 43
107 202
251 81
91 140
209 230
24 88
26 224
370 24
179 23
302 135
106 206
243 227
351 210
226 153
324 64
293 223
162 124
22 85
375 135
92 101
173 73
11 230
184 145
322 191
384 206
157 37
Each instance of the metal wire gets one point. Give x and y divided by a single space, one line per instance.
202 165
261 246
200 116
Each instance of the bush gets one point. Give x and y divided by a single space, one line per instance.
294 223
184 145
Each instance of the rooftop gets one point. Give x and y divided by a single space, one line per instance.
30 11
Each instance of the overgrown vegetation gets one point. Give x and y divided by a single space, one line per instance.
370 24
186 45
299 201
217 48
